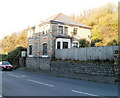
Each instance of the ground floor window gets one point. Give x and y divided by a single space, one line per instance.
45 49
58 45
65 45
30 50
62 43
75 44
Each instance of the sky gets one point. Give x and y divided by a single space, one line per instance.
16 15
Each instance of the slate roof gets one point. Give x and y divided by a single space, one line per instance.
63 19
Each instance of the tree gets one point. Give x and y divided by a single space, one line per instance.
104 21
9 43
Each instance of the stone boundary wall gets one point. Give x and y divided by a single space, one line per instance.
104 68
38 63
90 68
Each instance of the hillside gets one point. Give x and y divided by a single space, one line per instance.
9 43
104 21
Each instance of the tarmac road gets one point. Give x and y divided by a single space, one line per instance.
24 83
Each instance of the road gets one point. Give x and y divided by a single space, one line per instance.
24 83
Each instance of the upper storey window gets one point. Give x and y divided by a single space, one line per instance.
75 30
54 28
30 32
66 30
61 29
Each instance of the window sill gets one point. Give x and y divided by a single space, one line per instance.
44 55
30 56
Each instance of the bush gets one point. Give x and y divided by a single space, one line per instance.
14 55
3 57
84 43
94 41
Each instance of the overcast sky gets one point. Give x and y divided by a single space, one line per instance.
16 15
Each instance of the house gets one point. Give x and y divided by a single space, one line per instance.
56 32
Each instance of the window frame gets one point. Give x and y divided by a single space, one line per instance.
30 49
75 31
66 30
64 44
60 29
44 54
59 44
75 44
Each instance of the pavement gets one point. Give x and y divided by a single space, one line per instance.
94 78
27 82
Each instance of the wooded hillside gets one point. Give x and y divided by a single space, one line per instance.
103 20
9 43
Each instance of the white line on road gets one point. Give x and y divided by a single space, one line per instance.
23 75
41 83
13 75
86 93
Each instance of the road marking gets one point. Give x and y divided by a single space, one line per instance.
0 96
23 75
13 75
87 93
41 83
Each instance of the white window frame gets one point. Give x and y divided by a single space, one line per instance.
61 40
47 51
73 44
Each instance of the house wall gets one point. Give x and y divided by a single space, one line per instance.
39 35
83 33
37 42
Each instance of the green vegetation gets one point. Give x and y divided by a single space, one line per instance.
83 43
104 21
9 43
14 55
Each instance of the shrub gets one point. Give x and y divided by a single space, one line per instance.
84 43
14 55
